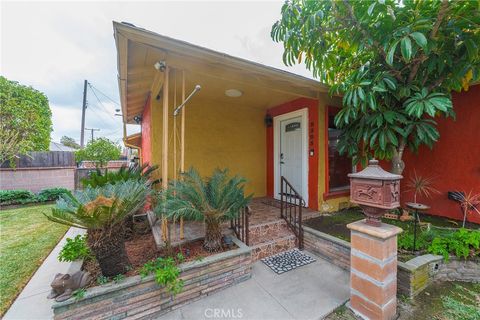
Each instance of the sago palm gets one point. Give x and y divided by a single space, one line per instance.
102 212
137 172
214 200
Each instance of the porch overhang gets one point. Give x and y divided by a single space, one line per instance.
134 140
138 50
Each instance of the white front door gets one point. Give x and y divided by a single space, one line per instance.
291 151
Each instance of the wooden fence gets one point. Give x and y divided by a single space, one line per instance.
44 159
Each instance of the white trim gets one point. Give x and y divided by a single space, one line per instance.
276 151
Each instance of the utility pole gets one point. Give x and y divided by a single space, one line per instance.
84 107
92 130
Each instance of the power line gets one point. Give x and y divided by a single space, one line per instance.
103 94
92 130
112 133
99 101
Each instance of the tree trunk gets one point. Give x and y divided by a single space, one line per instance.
213 235
109 249
397 163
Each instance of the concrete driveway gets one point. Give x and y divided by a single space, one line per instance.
308 292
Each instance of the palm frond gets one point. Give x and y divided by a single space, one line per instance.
102 207
125 173
192 197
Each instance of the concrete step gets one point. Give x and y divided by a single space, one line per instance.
273 246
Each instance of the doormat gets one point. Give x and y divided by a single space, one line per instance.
288 260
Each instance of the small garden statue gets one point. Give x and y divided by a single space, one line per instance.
63 285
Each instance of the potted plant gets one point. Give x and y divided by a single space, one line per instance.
102 211
213 200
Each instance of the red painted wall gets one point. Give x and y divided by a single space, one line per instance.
146 132
454 162
294 105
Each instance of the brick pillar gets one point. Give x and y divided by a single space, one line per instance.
373 270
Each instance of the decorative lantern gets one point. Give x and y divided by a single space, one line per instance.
375 190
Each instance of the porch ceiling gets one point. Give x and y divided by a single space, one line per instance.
138 50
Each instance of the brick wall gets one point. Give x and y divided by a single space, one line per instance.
333 249
416 274
136 298
36 179
413 276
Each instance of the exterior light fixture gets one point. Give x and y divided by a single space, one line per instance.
233 93
268 120
160 65
137 119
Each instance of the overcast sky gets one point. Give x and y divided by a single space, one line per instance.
54 46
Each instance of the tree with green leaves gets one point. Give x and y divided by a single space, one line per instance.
100 151
394 62
26 120
69 142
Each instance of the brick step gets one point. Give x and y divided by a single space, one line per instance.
269 233
273 246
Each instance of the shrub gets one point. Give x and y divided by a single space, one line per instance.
138 173
214 200
462 243
405 240
102 212
9 197
74 249
51 194
166 273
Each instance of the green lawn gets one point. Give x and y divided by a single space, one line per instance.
26 238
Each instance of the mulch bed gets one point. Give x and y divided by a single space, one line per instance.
142 248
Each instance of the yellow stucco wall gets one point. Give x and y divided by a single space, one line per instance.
217 136
231 136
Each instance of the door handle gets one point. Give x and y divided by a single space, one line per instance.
282 162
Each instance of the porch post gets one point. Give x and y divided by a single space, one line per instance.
373 270
165 131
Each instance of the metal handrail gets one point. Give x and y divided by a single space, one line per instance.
294 222
239 225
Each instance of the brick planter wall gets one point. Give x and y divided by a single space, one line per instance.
413 276
416 274
136 298
36 179
459 270
333 249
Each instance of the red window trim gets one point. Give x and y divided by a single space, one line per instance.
330 110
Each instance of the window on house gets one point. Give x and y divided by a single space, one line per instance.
339 166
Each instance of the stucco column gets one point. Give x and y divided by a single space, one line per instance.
373 271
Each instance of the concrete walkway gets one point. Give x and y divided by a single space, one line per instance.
32 302
308 292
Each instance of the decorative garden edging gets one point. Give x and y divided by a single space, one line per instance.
413 276
140 298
